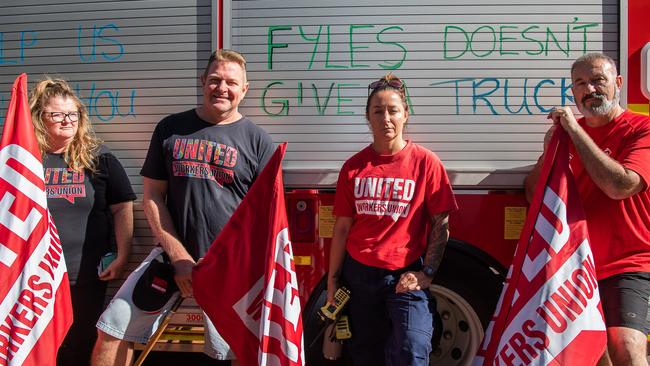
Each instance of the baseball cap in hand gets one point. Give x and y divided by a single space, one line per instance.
156 285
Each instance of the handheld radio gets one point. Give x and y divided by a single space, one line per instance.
336 326
330 311
342 328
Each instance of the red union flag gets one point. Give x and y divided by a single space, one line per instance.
247 284
35 312
549 312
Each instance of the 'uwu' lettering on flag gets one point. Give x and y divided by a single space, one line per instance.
549 311
35 311
247 283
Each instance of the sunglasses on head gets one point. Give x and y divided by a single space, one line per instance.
394 83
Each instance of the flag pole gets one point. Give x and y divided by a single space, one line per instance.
156 336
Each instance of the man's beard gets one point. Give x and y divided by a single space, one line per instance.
603 108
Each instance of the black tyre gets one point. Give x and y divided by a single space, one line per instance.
466 291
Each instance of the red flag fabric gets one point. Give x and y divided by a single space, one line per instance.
35 312
549 312
246 282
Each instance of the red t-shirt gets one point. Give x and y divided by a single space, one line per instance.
618 229
391 198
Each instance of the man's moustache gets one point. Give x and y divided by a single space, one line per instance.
592 95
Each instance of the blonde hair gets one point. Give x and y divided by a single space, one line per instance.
224 55
81 151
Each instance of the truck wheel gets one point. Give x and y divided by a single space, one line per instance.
461 332
466 293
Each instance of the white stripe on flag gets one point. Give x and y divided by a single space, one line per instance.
30 269
587 320
7 256
19 181
14 223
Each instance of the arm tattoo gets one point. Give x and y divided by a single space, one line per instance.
437 240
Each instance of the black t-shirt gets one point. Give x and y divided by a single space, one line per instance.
208 169
80 205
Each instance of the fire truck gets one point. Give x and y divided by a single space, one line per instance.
481 77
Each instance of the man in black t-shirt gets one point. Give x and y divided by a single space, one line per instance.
199 166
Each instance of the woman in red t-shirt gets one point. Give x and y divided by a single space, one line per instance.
386 196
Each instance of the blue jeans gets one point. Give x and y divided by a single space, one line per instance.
387 328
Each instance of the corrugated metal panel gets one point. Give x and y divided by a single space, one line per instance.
133 62
481 75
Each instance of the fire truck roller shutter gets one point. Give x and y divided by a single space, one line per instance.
466 289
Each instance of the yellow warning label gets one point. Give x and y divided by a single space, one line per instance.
639 108
302 260
326 221
513 222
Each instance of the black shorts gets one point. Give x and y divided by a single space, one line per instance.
625 298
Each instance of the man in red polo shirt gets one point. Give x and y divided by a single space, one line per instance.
610 159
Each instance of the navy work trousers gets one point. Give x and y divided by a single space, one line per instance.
387 328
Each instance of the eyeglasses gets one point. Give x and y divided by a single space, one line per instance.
59 117
394 83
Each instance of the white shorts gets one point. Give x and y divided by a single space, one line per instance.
125 321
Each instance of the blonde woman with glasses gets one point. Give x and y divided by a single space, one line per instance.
91 200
